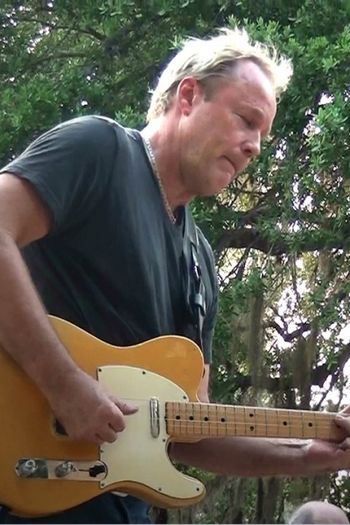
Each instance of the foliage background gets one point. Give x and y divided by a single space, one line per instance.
281 234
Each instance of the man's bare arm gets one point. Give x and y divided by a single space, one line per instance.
86 411
263 457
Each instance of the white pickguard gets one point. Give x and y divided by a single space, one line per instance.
136 455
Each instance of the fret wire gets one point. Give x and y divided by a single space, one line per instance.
325 423
319 422
289 413
325 426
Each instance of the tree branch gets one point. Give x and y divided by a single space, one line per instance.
252 238
288 337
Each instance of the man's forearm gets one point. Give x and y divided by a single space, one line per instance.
25 332
243 456
264 456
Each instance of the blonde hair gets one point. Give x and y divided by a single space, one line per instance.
205 58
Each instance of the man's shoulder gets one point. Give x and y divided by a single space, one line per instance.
88 133
100 122
88 122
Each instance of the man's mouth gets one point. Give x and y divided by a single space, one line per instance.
233 166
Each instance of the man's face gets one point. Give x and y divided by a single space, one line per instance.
221 134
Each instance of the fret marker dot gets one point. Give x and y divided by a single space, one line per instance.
191 418
177 417
251 415
223 420
252 428
285 423
310 424
206 418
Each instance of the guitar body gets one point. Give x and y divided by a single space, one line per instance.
167 368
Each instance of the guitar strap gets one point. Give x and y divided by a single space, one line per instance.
193 282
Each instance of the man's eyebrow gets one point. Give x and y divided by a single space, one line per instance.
260 116
257 111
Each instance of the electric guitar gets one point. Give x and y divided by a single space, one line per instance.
42 471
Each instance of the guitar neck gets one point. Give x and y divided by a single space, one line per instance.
189 421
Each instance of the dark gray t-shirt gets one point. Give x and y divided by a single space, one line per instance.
112 261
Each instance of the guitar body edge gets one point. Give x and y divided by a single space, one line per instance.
27 422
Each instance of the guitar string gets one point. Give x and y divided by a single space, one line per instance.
247 423
261 411
316 425
325 417
280 413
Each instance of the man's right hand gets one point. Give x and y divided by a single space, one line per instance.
86 411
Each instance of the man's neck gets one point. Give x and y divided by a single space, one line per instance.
165 146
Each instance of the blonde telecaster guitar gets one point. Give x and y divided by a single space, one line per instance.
42 471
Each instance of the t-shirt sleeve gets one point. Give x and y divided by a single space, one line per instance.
69 166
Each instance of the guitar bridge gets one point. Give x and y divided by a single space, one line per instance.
154 416
39 468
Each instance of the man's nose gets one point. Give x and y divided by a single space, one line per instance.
252 146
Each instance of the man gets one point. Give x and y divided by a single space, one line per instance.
318 512
99 211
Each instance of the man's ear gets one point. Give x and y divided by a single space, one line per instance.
189 91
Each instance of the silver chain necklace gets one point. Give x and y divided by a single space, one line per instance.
152 159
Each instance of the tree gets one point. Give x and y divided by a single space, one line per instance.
280 234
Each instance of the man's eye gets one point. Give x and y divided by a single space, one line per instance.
249 123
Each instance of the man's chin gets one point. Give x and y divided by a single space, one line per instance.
214 184
225 181
215 190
